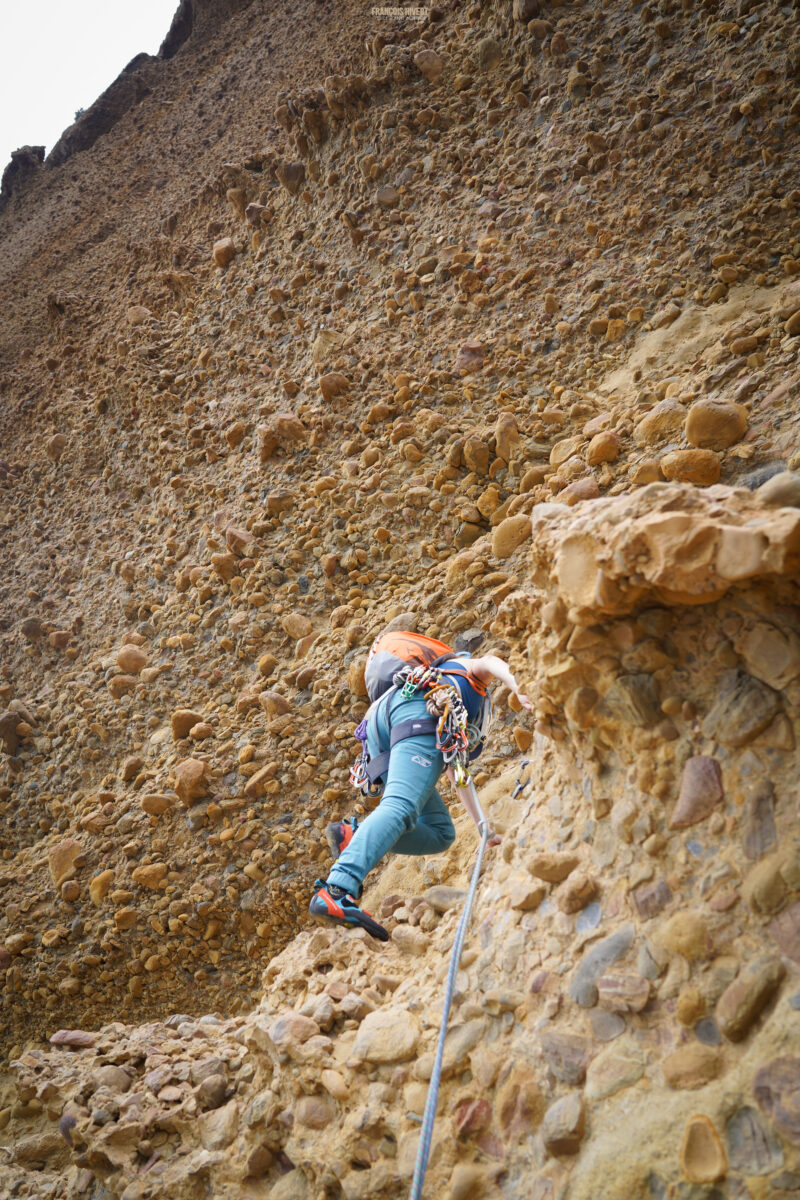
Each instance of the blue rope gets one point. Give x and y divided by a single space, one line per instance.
428 1116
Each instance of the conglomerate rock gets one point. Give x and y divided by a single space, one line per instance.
483 319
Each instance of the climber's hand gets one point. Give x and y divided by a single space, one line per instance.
494 838
524 701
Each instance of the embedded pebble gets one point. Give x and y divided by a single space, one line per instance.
703 1157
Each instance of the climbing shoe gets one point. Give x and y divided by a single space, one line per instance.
332 903
339 834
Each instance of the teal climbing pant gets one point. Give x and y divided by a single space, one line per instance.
412 817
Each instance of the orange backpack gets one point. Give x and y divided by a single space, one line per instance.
390 652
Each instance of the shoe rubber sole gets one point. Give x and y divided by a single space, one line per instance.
325 908
336 844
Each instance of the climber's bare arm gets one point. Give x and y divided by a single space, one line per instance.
467 796
489 666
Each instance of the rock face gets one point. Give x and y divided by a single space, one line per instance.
743 1000
127 90
703 1158
744 709
775 1090
23 166
481 323
198 19
715 424
701 791
604 954
384 1037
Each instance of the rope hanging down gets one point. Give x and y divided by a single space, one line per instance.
428 1116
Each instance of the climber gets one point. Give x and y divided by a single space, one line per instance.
432 715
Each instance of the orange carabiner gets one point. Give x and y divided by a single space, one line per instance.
443 718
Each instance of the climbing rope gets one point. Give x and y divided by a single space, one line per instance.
426 1133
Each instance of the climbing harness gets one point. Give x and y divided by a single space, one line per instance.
443 701
457 740
410 663
426 1132
366 772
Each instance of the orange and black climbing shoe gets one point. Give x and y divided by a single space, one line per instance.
332 903
339 834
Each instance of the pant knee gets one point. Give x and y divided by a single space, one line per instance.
402 810
409 820
447 835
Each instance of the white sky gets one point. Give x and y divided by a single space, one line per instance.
57 56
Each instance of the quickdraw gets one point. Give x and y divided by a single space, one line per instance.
444 704
358 772
411 679
443 701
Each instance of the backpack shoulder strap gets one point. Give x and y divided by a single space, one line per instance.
476 684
